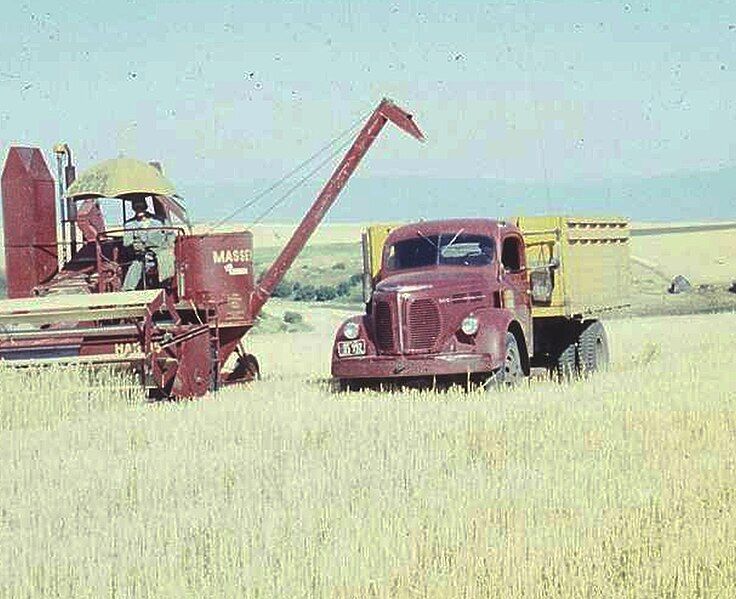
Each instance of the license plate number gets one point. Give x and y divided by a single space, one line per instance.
351 348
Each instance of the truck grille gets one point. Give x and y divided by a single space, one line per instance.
424 324
384 330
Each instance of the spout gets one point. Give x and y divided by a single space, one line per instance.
400 118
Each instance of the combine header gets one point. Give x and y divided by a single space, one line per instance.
196 297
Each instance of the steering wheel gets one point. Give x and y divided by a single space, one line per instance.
104 263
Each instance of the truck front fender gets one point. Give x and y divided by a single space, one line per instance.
494 323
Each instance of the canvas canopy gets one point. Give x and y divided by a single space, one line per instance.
125 178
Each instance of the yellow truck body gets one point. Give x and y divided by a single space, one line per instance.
591 272
592 257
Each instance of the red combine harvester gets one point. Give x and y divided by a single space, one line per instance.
180 329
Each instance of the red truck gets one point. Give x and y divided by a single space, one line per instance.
484 300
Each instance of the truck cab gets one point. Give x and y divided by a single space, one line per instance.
484 299
445 297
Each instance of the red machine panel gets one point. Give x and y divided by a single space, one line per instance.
217 270
29 220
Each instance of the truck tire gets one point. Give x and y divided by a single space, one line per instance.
593 346
567 365
512 371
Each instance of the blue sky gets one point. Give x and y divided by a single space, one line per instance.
519 91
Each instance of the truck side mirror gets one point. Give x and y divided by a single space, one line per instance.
542 285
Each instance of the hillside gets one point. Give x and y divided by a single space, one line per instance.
707 259
688 196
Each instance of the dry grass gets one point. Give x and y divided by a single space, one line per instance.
703 257
32 399
622 485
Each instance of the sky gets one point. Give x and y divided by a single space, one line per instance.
530 92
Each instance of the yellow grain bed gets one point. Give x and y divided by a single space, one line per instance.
593 273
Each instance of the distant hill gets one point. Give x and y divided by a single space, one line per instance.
690 197
696 196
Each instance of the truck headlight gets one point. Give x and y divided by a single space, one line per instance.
469 325
351 330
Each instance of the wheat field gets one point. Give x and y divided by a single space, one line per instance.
620 485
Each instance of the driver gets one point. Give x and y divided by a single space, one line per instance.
147 243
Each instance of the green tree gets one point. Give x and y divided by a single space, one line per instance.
325 293
305 292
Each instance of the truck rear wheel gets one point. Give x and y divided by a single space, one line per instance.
593 347
567 365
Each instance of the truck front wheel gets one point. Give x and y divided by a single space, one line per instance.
593 347
511 372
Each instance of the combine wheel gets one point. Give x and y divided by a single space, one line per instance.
246 370
593 348
511 372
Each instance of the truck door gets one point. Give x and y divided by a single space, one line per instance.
515 295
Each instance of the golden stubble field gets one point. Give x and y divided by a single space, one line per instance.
620 485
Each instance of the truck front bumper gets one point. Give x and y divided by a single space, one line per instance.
387 366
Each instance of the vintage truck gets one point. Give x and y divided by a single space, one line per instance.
484 300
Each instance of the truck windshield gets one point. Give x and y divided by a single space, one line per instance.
450 249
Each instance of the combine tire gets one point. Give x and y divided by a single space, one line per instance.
246 370
593 348
512 371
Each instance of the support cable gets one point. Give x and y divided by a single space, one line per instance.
302 181
250 202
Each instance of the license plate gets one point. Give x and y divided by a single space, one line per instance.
351 348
